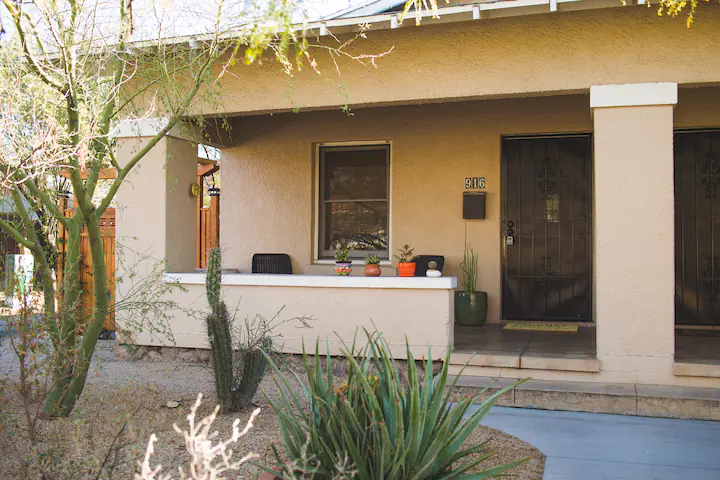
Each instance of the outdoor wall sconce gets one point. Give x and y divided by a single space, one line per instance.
194 189
474 205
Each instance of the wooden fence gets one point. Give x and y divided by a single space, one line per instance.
107 231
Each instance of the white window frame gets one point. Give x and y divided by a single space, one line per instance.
317 199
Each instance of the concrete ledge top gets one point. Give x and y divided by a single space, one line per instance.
318 281
633 95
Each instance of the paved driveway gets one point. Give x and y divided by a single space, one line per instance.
589 446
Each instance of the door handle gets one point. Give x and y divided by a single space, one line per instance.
510 233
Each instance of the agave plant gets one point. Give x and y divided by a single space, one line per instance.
376 425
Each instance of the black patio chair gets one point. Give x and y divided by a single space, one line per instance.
421 263
275 263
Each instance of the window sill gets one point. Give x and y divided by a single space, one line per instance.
355 261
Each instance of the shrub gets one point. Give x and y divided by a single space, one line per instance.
377 426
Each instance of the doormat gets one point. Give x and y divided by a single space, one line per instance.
541 327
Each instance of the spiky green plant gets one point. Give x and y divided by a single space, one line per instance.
377 425
372 260
342 254
218 327
469 269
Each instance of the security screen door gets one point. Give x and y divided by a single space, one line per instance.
697 228
546 228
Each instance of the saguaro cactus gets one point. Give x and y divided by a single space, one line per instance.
235 385
218 325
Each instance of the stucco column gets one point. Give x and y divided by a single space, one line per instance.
634 233
156 214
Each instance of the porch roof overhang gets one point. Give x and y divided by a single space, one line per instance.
448 14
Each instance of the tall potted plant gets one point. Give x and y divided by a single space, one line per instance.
406 268
470 305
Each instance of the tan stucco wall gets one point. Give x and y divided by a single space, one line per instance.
181 168
525 55
157 185
155 220
267 197
140 222
634 240
331 313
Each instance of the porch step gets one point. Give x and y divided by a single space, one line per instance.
595 397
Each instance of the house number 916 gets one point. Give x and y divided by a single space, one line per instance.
474 182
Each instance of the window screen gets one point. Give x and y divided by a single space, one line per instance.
354 200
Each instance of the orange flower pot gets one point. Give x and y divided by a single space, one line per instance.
406 269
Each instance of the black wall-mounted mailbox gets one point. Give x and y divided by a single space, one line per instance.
474 205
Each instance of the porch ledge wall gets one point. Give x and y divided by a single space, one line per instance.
421 309
325 281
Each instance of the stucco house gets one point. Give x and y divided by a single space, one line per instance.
595 127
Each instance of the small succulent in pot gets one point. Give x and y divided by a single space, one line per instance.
432 270
406 267
372 266
343 264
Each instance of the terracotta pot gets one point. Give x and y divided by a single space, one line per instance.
372 270
343 268
406 269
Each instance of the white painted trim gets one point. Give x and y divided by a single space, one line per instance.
356 262
633 95
383 21
316 199
149 127
318 281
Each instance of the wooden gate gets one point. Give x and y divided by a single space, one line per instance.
208 234
107 231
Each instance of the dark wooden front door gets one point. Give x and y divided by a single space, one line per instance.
546 228
697 228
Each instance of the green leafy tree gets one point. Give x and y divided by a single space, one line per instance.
69 71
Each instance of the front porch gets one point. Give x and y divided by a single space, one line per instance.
555 241
491 346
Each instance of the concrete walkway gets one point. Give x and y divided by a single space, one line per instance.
591 446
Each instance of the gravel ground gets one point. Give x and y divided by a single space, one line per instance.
135 394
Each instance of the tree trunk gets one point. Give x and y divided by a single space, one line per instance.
64 352
100 311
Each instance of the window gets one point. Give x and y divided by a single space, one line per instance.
353 200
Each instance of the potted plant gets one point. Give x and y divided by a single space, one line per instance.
470 305
372 266
343 265
406 268
432 270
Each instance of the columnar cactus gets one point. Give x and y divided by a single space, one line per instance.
235 385
218 325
